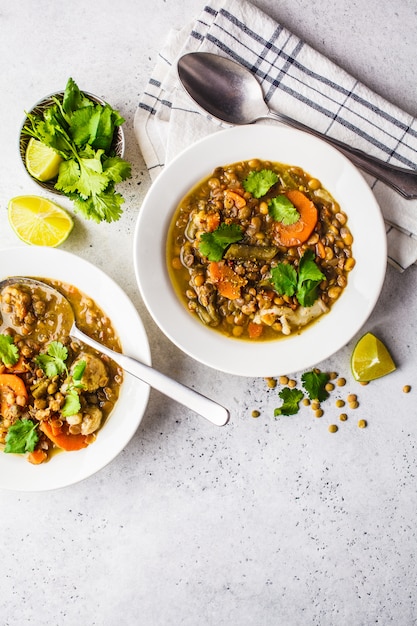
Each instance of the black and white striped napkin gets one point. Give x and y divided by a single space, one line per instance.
296 80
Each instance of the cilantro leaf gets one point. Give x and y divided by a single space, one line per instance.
315 385
21 437
212 245
9 352
291 400
53 361
79 370
259 183
72 403
283 210
307 269
304 284
309 279
284 279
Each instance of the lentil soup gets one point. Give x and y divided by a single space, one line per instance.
55 393
259 250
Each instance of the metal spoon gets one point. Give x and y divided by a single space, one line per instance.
186 396
231 93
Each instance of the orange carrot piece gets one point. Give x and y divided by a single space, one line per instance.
37 456
254 330
226 280
13 383
297 233
63 440
212 221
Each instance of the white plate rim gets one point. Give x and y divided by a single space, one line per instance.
337 174
68 468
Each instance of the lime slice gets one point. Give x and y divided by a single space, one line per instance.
41 161
371 359
38 221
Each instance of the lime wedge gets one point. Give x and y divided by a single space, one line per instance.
41 161
38 221
370 359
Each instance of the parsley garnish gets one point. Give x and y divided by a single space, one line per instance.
315 385
21 437
259 183
304 284
9 352
81 132
212 245
283 210
291 400
53 361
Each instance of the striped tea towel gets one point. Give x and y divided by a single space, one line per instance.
296 80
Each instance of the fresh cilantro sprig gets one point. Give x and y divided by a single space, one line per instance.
9 352
259 183
81 132
72 403
212 245
315 385
21 437
291 401
53 361
303 284
282 210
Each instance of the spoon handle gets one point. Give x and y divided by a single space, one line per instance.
403 180
186 396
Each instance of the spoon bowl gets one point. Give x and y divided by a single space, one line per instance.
186 396
231 93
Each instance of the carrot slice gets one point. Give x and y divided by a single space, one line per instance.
254 330
296 234
13 383
37 456
63 440
227 282
212 221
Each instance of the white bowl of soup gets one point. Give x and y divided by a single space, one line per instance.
253 251
71 442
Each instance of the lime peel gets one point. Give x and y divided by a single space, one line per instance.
371 359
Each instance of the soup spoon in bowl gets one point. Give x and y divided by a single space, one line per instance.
231 93
212 411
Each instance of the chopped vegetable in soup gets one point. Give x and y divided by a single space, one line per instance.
55 393
258 250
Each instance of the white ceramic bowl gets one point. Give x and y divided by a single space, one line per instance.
67 468
331 331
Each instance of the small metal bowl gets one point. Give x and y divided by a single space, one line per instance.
118 144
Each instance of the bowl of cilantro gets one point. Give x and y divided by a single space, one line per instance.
251 250
72 143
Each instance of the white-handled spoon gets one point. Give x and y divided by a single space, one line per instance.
212 411
231 93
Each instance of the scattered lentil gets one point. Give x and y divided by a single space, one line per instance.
292 383
343 417
333 428
341 382
362 424
271 382
332 375
340 403
283 380
407 388
306 402
318 413
353 405
255 413
315 405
